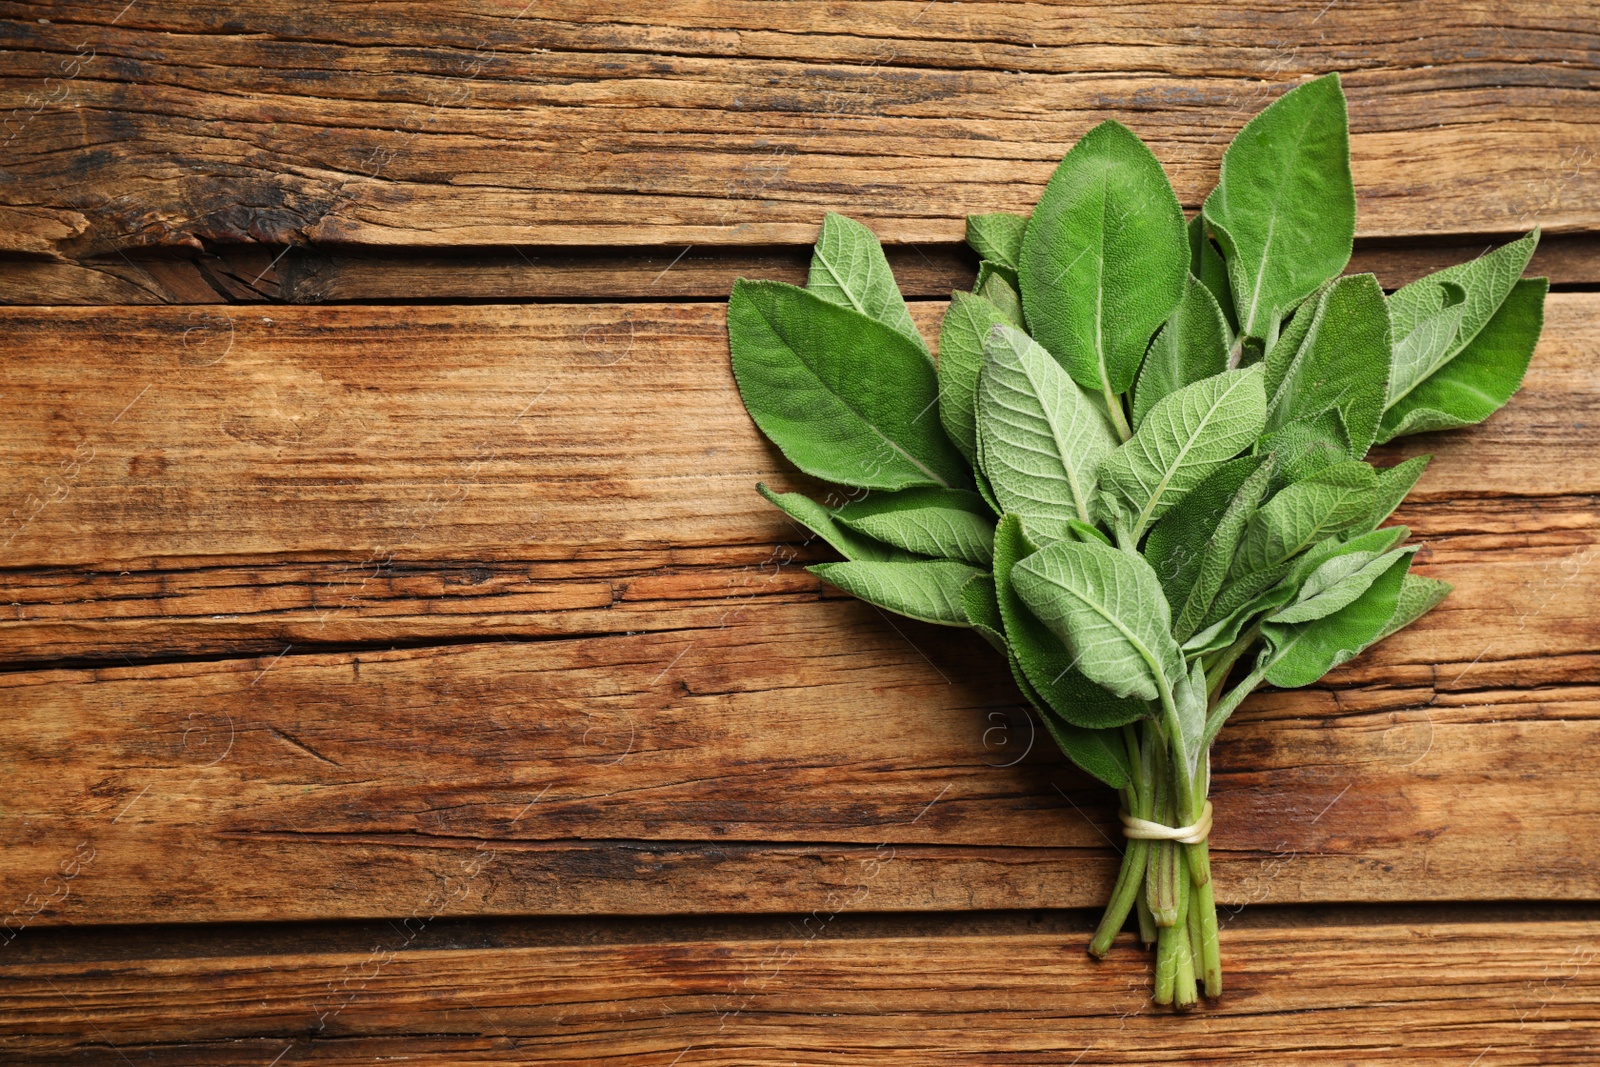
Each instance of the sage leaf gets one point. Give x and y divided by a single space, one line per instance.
1103 260
968 321
1099 752
1336 583
1297 517
926 590
848 268
1304 448
1427 347
998 285
1393 485
1178 542
1184 437
846 398
1482 285
1342 364
1043 438
1206 264
1418 596
997 237
1106 605
820 521
982 609
947 523
1297 654
1478 380
1050 668
1217 556
1284 209
1190 346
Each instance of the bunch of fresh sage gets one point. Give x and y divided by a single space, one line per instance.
1136 467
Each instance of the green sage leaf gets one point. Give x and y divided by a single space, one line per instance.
968 321
1479 379
1297 654
848 268
1206 264
1480 285
1284 210
1217 554
1177 543
947 523
998 285
927 590
846 398
1043 438
997 237
1393 485
1184 437
1049 667
1107 607
1427 347
1104 259
820 521
1418 596
1191 345
1336 583
1342 364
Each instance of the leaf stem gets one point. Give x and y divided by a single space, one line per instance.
1119 418
1227 704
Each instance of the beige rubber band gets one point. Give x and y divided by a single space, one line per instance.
1145 830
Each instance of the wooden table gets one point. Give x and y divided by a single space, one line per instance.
398 662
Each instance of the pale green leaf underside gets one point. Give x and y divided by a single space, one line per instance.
1043 437
1482 376
1107 606
820 521
929 591
968 321
1041 656
1300 653
848 268
1484 282
1336 583
945 523
1183 438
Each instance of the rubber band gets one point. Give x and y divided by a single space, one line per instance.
1145 830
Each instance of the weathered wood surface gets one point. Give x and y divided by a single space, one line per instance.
827 993
626 697
721 122
264 274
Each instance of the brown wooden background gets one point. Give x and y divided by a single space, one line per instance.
396 662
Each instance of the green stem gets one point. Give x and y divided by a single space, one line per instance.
1227 704
1203 919
1123 896
1217 670
1119 419
1148 930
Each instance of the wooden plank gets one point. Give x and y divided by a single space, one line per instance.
752 766
1495 994
264 274
159 438
722 122
283 469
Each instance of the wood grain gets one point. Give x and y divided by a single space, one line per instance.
244 274
501 608
1494 994
163 438
723 122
